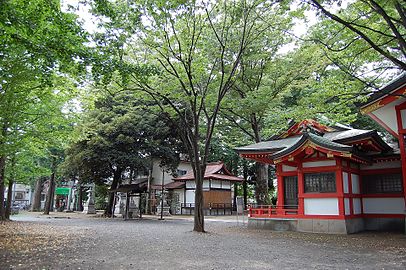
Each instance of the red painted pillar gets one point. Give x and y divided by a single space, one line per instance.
281 198
401 138
279 177
300 188
340 187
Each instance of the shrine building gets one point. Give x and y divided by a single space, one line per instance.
330 179
218 190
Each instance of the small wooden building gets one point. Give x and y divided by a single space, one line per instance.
331 179
217 188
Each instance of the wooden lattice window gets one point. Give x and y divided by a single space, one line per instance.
382 183
320 182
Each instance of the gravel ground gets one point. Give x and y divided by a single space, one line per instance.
74 241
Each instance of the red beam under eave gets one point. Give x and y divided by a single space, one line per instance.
323 150
258 157
369 143
392 97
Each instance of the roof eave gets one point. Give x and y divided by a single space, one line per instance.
386 90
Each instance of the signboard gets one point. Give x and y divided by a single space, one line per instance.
240 205
62 191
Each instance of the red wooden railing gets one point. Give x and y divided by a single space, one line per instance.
263 211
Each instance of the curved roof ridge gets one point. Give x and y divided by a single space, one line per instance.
316 139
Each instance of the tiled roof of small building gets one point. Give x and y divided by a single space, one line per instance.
213 171
175 185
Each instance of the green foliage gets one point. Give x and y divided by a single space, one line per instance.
119 133
38 39
363 38
101 192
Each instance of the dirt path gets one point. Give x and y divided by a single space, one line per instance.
80 242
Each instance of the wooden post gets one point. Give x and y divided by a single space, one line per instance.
127 204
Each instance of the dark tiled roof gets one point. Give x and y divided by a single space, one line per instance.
387 89
175 185
318 140
347 134
332 140
271 146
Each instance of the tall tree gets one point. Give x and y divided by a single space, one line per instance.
195 49
263 75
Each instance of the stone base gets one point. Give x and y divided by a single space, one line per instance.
89 209
331 226
165 211
355 225
385 224
273 224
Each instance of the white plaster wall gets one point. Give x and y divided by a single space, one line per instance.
403 118
190 196
319 163
383 205
355 183
321 206
215 183
157 172
356 204
287 168
382 165
347 206
345 183
387 114
190 184
226 184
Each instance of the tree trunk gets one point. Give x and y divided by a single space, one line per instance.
2 174
51 190
261 188
50 193
80 199
116 179
9 199
199 201
235 197
36 202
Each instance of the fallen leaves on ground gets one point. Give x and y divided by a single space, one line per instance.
27 243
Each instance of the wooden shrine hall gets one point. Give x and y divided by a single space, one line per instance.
330 179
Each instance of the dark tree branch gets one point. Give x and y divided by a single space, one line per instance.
384 53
